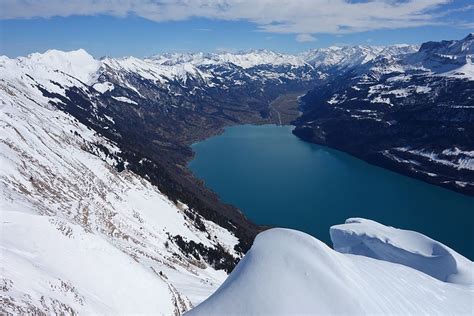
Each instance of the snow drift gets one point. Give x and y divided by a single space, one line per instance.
289 272
364 237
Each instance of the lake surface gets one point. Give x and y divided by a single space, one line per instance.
277 179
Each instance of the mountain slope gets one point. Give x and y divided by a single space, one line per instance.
346 57
412 113
364 237
93 158
75 229
289 272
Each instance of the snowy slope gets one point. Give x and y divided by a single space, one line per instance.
149 69
95 240
345 57
77 235
51 69
364 237
446 58
288 272
242 59
76 63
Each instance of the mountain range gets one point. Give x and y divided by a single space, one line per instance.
412 113
98 206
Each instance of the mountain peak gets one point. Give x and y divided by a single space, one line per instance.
457 49
77 63
56 53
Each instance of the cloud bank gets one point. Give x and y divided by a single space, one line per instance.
302 17
304 38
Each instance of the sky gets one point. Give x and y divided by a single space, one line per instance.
147 27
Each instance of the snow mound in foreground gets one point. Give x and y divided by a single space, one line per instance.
289 272
365 237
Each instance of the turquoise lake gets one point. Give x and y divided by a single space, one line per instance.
277 179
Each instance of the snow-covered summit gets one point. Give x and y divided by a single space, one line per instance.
53 70
245 60
350 56
289 272
452 58
456 48
261 57
160 71
77 63
340 56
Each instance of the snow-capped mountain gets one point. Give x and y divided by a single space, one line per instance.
78 236
289 272
226 69
346 57
453 58
243 59
413 113
95 193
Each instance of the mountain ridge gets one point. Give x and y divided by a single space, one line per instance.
81 137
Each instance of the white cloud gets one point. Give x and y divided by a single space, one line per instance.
303 17
304 38
467 25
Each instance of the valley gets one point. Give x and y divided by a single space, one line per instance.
95 153
286 108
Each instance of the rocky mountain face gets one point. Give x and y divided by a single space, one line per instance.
94 152
412 113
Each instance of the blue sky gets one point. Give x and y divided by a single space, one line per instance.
143 28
